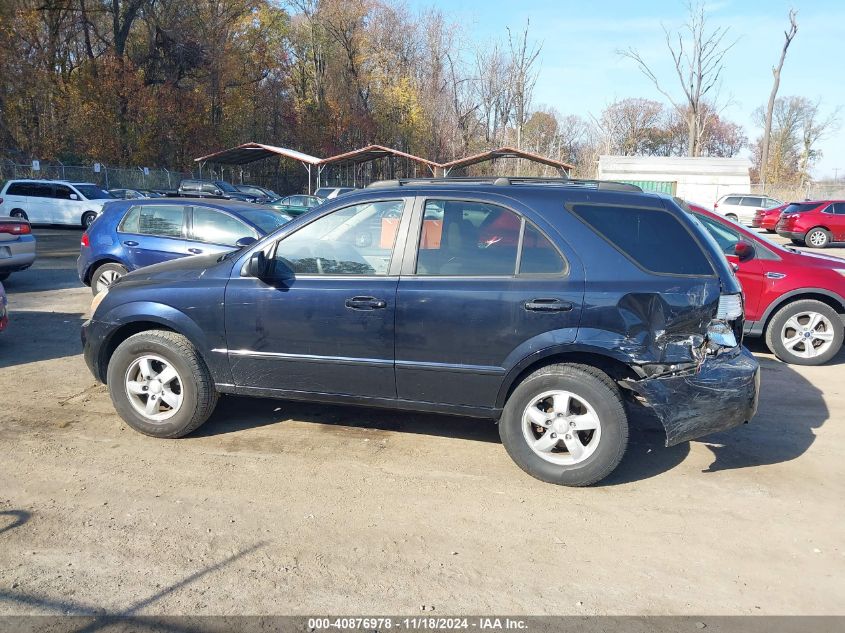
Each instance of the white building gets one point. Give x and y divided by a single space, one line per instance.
702 180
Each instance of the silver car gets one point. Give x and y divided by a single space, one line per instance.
741 207
17 246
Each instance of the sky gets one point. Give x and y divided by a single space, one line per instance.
580 71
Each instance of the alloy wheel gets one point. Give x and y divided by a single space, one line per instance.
561 427
154 387
106 278
807 334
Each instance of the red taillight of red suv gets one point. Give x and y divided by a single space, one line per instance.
85 241
15 228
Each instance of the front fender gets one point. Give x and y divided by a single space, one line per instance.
203 339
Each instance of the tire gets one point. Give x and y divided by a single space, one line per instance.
196 398
587 387
109 273
18 213
88 219
817 238
782 329
733 217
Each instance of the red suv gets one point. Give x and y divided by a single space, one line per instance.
815 224
767 218
796 300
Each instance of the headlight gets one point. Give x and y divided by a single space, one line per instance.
98 299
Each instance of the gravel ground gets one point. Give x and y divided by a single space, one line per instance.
281 508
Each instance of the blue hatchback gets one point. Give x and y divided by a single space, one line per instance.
130 234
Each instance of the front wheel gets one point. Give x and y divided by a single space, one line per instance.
817 238
565 424
806 332
160 385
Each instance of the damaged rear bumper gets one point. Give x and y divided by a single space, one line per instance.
720 395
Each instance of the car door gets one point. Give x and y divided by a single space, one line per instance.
322 320
482 289
39 207
153 233
64 206
751 273
215 231
836 221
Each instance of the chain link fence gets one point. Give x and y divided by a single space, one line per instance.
808 191
106 177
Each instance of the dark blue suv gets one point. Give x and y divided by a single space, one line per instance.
130 234
551 307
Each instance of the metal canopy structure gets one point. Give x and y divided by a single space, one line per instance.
371 153
565 169
251 152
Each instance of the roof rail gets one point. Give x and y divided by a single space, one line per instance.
501 181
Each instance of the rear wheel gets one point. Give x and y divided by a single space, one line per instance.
19 213
88 219
817 238
732 216
806 332
105 276
565 424
160 385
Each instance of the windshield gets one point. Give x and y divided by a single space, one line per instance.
267 221
93 192
225 186
797 207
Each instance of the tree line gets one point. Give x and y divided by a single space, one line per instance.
159 82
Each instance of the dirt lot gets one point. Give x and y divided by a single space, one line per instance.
278 508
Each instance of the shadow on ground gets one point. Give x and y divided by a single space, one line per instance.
791 408
37 336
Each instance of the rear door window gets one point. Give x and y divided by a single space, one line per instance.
162 220
734 200
839 208
652 238
62 192
799 207
752 202
40 190
211 225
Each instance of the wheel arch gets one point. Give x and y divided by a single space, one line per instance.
133 318
835 301
604 360
108 259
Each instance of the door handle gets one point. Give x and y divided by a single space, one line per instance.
130 243
548 305
195 251
365 303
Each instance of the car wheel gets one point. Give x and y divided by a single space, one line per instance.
160 385
731 216
88 219
805 332
18 213
817 238
105 276
565 424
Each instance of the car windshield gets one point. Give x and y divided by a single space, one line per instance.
797 207
93 192
267 221
225 186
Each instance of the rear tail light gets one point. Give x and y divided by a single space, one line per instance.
721 332
730 307
15 228
85 241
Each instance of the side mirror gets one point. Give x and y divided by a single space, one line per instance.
73 196
245 241
744 251
258 266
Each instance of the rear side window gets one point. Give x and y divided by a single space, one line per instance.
799 207
37 190
163 220
654 239
752 202
539 256
190 185
17 189
732 200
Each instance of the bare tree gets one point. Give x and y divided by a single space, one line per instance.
697 55
523 77
789 35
